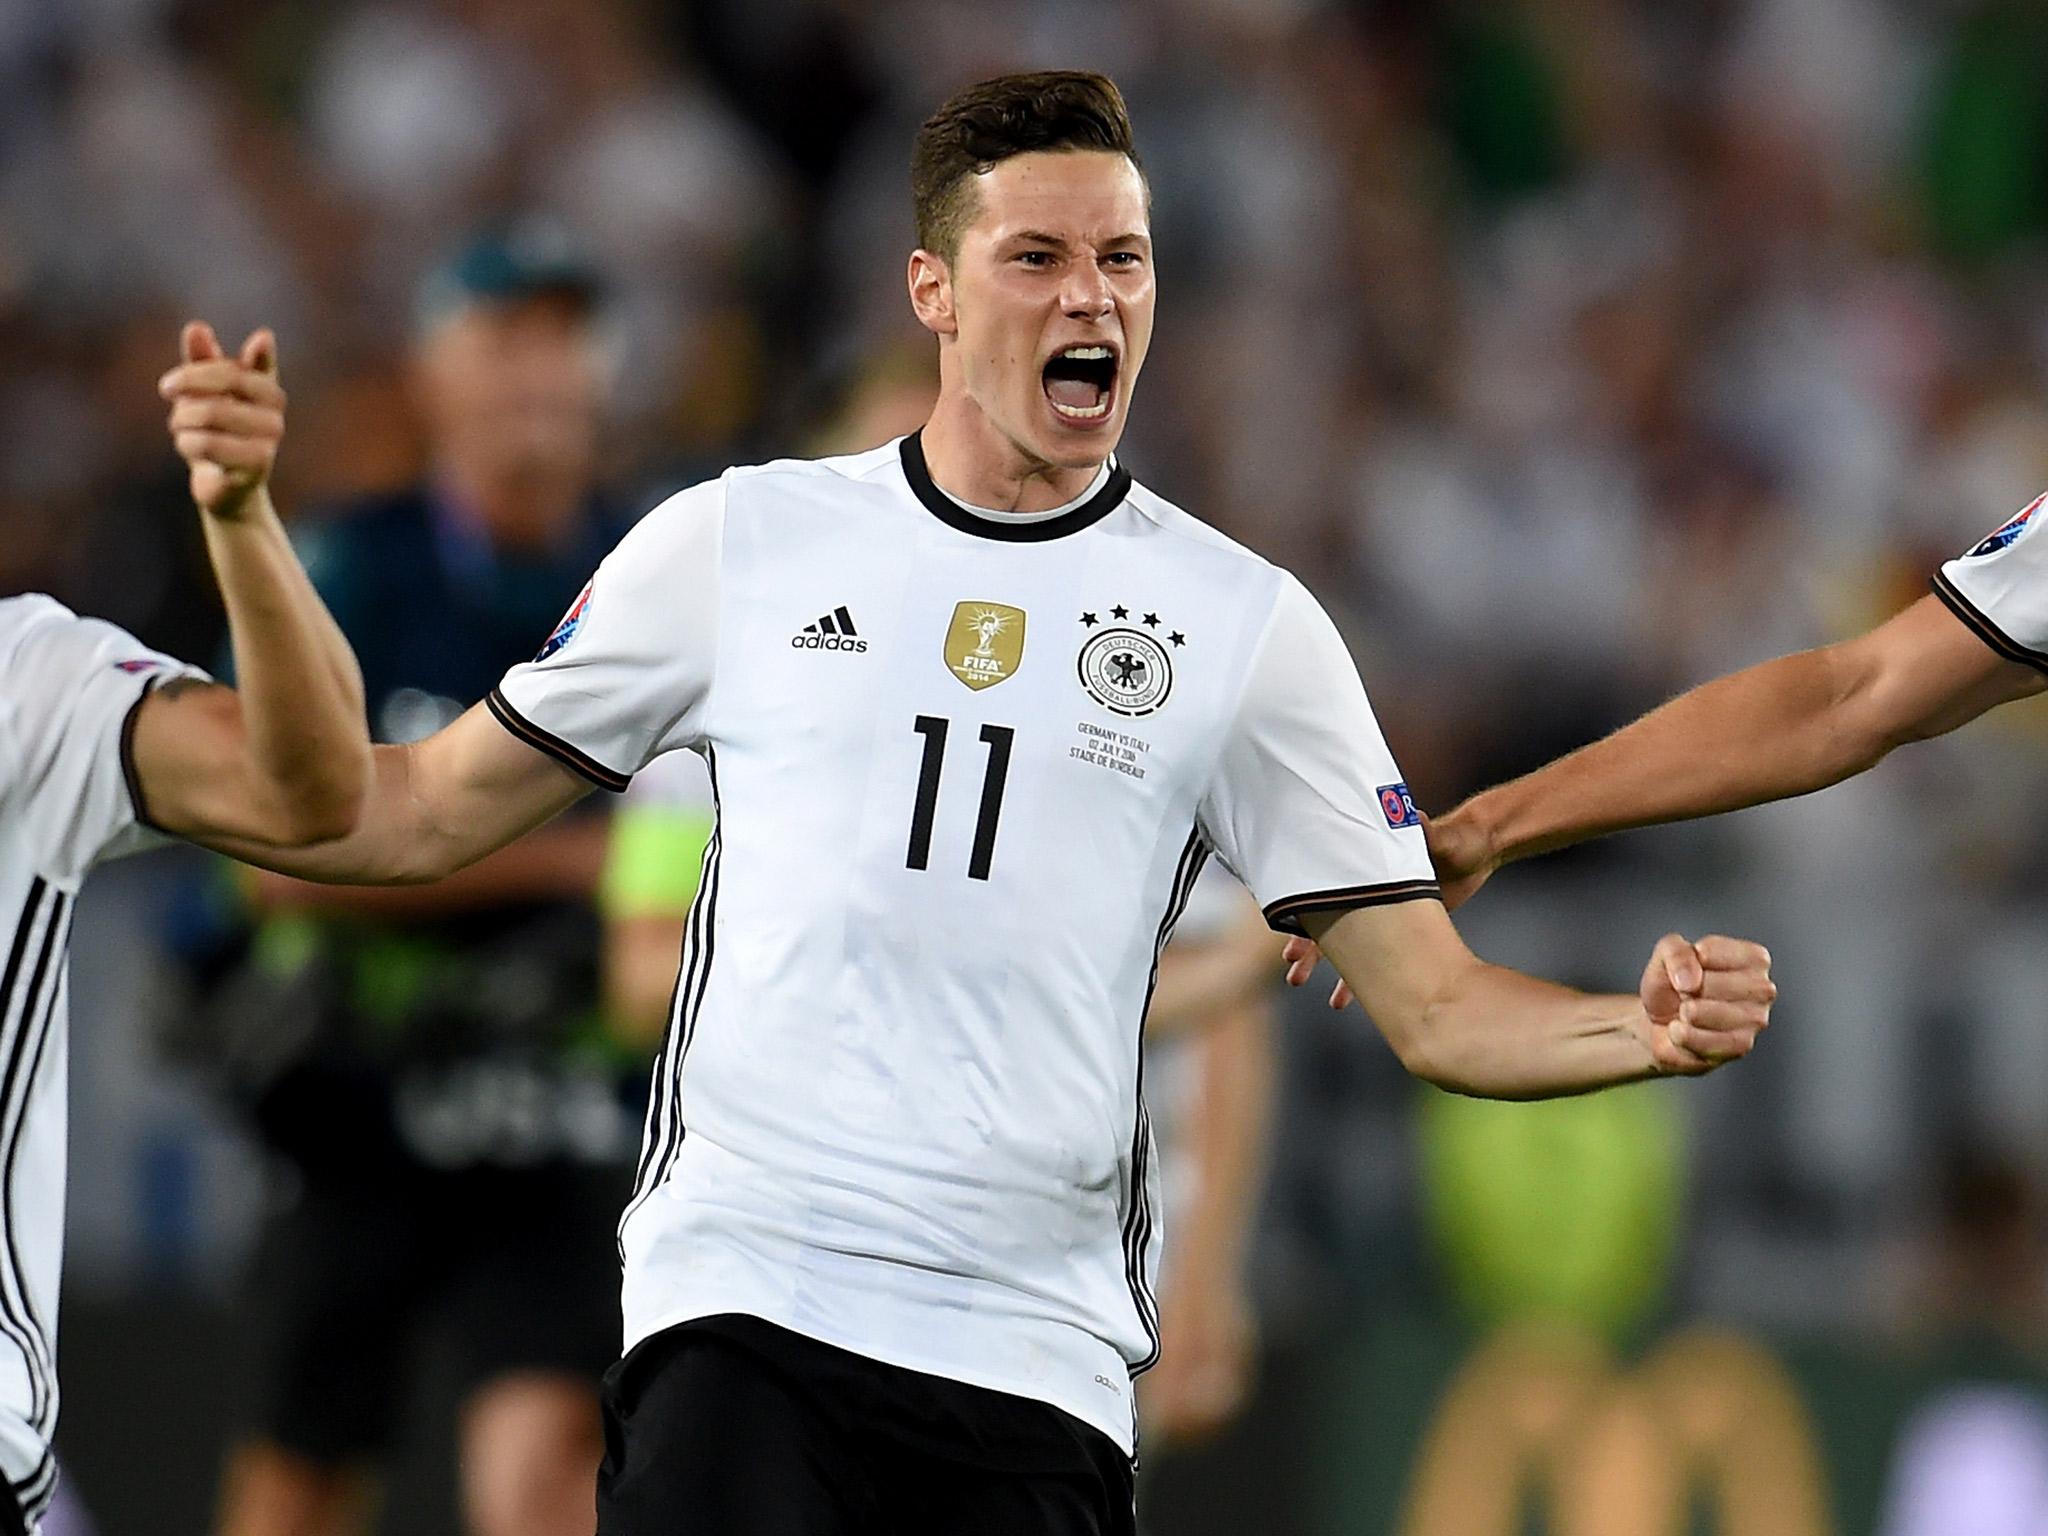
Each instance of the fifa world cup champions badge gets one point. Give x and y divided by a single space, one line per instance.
984 643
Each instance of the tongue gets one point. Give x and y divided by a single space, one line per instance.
1074 394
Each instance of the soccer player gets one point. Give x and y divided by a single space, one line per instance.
104 743
1778 729
976 708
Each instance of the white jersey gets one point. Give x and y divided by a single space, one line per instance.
966 770
2000 588
68 691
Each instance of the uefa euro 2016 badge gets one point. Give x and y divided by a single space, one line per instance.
571 622
984 643
1125 668
2010 532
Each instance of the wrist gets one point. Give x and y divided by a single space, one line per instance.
241 508
1476 828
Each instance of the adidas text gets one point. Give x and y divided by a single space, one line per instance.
810 642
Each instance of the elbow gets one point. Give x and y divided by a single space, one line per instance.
323 804
1419 1049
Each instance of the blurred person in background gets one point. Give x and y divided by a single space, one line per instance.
456 1121
106 746
1210 1076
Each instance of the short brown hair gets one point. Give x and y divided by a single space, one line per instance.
990 122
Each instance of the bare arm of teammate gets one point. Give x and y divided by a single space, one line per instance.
284 758
1779 729
1482 1030
435 807
1783 728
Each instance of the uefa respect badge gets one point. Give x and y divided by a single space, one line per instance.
1399 806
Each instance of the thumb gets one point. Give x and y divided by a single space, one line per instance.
259 352
1682 965
198 343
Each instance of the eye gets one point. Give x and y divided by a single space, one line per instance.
1125 259
1035 258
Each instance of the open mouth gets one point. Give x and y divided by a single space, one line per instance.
1080 382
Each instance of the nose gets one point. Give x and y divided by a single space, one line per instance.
1085 295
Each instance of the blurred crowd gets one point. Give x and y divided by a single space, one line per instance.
1573 350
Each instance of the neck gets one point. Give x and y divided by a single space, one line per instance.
973 461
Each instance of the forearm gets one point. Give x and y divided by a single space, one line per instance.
300 689
558 863
394 841
1494 1033
1784 728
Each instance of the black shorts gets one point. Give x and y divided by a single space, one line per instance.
731 1426
502 1270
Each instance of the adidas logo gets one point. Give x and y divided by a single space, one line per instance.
834 632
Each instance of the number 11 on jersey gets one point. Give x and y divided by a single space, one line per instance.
998 738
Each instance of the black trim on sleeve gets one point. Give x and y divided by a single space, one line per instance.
1979 623
130 774
953 515
553 745
1284 916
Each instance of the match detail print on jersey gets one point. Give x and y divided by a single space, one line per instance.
985 643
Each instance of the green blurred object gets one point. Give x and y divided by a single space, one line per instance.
1501 105
1565 1209
1986 153
654 861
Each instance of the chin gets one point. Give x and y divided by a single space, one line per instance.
1064 447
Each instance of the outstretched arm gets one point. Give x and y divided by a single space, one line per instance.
1779 729
1784 728
285 758
1482 1030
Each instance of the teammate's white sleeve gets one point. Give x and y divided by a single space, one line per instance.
69 688
626 674
1307 805
2000 588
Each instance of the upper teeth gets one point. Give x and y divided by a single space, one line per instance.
1088 353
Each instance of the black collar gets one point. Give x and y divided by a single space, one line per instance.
953 515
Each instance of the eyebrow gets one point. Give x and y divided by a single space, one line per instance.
1040 237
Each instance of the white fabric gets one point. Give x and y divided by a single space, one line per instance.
898 1110
67 687
2003 582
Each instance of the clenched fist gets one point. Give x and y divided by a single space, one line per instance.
227 416
1705 1003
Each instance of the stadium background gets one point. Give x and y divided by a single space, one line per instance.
1573 350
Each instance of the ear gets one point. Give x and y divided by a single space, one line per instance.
931 293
